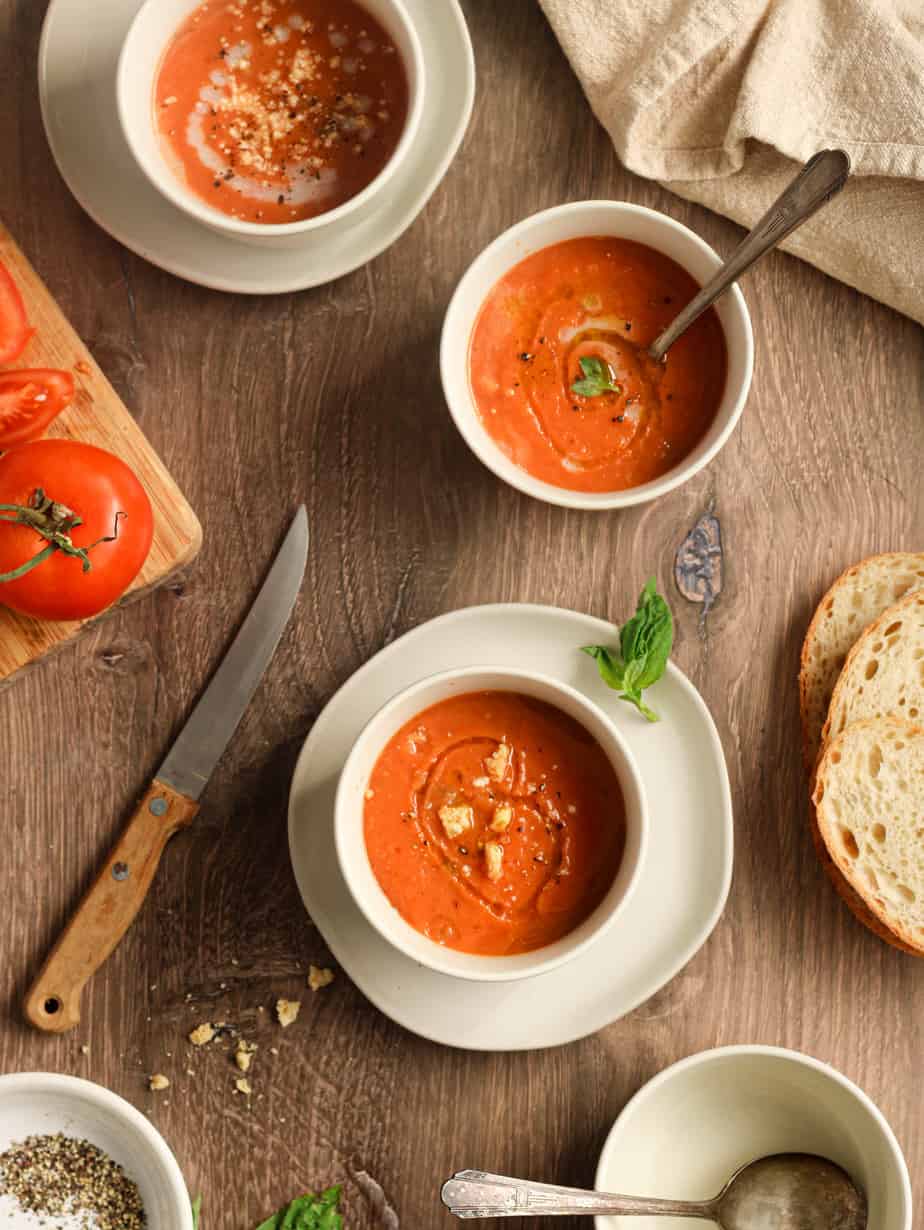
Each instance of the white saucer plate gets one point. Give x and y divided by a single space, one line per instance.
77 67
682 886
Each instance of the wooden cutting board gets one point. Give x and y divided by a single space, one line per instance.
98 416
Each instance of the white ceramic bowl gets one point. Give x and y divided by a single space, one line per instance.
139 62
686 1132
43 1103
569 222
351 845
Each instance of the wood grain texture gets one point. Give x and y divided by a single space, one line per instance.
332 397
95 416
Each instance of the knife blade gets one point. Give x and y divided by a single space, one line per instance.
172 800
209 728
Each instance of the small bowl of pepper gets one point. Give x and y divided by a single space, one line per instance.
70 1148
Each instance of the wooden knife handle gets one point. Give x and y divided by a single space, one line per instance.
108 909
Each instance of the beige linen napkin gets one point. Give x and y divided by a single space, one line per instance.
721 100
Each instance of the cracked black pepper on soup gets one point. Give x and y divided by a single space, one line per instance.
55 1176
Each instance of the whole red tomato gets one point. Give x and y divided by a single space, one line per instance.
109 501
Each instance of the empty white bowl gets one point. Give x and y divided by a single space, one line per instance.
569 222
687 1131
152 29
351 844
44 1103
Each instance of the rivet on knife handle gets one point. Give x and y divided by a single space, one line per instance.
108 909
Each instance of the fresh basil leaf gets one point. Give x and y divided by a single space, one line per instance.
648 637
196 1212
645 643
597 378
609 666
634 628
308 1212
631 677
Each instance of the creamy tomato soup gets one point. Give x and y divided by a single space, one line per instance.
494 823
600 300
278 110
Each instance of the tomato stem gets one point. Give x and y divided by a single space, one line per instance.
15 573
53 522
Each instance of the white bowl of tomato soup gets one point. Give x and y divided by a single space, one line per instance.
543 356
270 119
490 823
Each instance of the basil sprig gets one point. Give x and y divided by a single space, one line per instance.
308 1212
645 644
597 378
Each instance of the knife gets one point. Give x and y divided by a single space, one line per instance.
172 800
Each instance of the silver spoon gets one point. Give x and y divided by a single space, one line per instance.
788 1191
821 178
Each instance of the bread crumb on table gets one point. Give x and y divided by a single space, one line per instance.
287 1011
319 978
244 1054
202 1034
242 1085
158 1082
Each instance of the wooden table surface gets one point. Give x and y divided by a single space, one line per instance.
333 397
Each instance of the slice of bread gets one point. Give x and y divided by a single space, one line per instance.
869 801
851 898
856 598
884 672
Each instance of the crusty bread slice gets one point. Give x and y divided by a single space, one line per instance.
884 672
882 677
851 898
856 598
869 800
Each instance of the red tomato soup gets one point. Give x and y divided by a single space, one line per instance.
279 110
602 300
494 823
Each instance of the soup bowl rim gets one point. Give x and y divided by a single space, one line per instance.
353 857
131 107
581 219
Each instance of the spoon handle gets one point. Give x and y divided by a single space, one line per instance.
472 1193
821 177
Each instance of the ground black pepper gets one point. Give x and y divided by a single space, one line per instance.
65 1176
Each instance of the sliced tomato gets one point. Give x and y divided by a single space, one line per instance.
29 399
15 329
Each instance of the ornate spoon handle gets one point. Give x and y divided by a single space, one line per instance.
473 1193
820 178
